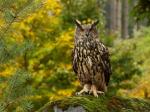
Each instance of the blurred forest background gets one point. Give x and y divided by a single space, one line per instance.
36 41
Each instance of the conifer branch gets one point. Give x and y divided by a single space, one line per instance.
15 18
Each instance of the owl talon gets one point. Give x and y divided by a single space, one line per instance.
96 95
90 92
95 91
77 94
85 89
100 92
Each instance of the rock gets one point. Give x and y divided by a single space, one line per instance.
70 109
101 104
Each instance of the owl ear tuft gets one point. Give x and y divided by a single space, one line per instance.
78 23
94 23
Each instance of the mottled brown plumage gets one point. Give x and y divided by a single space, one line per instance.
91 59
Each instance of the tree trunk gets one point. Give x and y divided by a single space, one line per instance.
112 16
125 16
118 18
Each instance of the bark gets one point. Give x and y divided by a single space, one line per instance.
118 18
112 16
125 17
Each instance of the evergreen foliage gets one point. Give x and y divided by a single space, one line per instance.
124 60
16 93
141 10
74 9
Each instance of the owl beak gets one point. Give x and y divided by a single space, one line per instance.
78 23
87 34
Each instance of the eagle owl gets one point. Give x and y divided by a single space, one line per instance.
90 59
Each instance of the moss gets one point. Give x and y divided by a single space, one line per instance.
118 104
101 104
88 103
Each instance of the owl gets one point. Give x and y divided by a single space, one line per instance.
90 59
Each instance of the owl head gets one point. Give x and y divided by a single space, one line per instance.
86 30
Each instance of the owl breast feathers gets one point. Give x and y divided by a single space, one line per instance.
90 57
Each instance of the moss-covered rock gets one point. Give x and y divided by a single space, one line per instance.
101 104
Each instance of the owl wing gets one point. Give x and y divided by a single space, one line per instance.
106 63
74 62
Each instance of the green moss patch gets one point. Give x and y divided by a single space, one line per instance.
101 104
